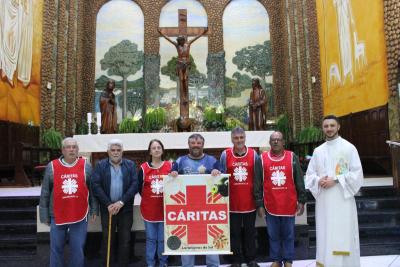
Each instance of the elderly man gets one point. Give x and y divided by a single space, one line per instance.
282 193
334 176
64 204
115 186
196 162
242 163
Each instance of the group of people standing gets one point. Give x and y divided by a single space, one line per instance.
271 184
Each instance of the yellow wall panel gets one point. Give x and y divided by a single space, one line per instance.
353 55
3 107
21 103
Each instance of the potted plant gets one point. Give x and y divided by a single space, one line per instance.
155 119
52 138
129 125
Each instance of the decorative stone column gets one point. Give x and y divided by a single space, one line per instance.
216 75
151 74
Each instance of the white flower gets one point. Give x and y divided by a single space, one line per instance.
240 174
157 186
278 178
220 109
69 186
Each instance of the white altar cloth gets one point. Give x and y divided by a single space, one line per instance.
140 141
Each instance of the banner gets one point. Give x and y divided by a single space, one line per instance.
196 212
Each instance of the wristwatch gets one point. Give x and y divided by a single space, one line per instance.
120 202
336 180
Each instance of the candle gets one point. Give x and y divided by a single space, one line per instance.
89 118
98 119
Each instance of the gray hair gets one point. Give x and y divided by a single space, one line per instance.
115 142
68 139
237 130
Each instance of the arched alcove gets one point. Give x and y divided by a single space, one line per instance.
248 54
120 33
198 88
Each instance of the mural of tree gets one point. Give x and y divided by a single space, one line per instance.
123 59
197 80
243 80
234 87
135 96
170 69
231 87
194 75
256 59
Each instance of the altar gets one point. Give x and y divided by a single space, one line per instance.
139 141
94 147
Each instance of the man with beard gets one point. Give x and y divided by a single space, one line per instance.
242 163
196 162
334 176
115 185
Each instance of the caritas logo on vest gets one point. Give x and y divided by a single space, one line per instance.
278 177
69 185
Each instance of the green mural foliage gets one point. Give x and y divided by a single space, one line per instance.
170 69
234 87
256 59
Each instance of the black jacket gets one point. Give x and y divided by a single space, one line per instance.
101 179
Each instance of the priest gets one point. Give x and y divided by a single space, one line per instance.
334 176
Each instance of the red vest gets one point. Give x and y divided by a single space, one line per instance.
241 181
280 196
152 202
70 193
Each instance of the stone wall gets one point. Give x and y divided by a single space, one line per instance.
392 34
68 60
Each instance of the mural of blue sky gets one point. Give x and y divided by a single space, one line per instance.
197 17
118 20
246 23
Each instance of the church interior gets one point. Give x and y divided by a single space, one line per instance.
311 58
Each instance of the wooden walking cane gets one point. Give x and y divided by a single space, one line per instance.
109 239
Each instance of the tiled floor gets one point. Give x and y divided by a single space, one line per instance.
42 257
370 261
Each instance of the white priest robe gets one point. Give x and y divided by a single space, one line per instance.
338 242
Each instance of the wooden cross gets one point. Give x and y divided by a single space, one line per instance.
182 29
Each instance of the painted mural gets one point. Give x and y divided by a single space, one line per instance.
20 60
353 55
248 55
119 55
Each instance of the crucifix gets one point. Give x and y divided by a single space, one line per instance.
183 63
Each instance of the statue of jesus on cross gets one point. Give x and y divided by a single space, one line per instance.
183 63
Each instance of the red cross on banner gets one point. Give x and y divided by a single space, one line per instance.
196 213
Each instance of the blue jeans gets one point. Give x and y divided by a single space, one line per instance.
77 238
155 243
211 260
281 237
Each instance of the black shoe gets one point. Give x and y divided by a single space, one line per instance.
253 264
236 265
